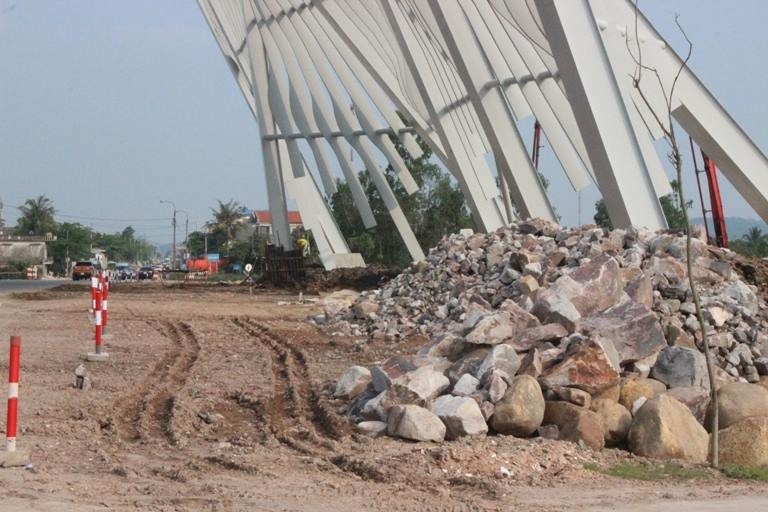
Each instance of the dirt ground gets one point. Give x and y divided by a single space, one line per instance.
217 400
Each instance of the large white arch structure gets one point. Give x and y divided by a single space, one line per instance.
329 78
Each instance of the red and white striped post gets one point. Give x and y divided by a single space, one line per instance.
104 302
12 457
97 354
94 287
14 369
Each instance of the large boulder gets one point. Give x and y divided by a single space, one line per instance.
743 295
587 365
575 424
500 325
614 418
550 307
534 336
501 357
394 367
745 443
680 366
415 423
737 401
664 428
601 285
521 410
632 389
633 328
444 345
353 382
461 415
418 387
468 363
696 399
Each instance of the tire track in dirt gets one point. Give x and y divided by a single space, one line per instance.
149 410
294 414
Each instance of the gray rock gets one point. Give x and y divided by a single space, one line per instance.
353 382
372 428
415 423
551 307
679 367
633 329
743 295
462 416
418 387
466 385
501 357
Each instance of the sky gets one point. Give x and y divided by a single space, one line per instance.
109 107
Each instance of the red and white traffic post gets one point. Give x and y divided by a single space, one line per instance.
98 354
104 305
12 456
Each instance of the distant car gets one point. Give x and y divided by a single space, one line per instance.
82 270
124 272
146 273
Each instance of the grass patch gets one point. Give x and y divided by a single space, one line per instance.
649 472
745 472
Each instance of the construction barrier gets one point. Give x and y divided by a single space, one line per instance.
32 273
280 266
14 370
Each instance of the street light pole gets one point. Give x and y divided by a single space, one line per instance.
173 223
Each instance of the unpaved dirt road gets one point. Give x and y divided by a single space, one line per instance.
216 400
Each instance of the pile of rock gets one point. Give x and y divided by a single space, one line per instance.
579 334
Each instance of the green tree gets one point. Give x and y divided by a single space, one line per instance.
670 205
226 219
37 217
73 243
753 243
436 209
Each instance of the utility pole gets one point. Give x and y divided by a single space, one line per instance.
173 223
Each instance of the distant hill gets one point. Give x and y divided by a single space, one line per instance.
737 226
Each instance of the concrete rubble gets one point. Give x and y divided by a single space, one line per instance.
582 334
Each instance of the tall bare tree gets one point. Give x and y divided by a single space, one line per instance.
666 123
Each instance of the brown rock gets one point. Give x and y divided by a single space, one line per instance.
737 401
575 424
530 338
573 395
639 287
394 367
531 364
521 410
678 337
664 428
633 328
610 393
745 443
586 366
615 420
444 345
696 399
528 284
632 389
601 283
505 323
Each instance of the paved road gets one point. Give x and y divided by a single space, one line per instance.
22 285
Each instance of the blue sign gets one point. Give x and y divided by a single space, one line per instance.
213 256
